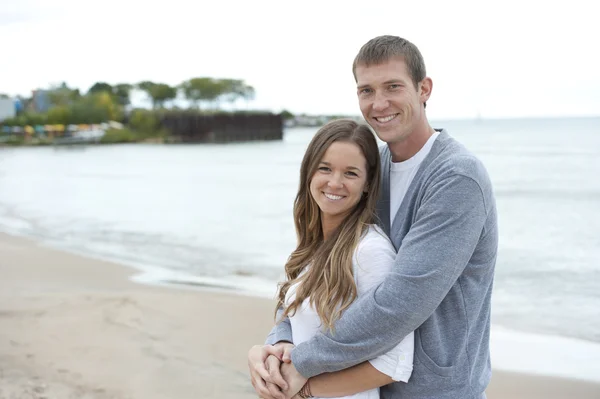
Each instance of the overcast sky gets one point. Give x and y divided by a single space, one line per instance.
496 58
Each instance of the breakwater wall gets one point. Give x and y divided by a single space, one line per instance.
196 127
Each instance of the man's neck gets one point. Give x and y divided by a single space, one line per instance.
407 148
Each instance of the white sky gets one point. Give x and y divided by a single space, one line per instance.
497 58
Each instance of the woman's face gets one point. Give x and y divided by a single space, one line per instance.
340 180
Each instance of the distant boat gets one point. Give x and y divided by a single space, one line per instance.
478 118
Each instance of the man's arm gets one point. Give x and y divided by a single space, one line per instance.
431 258
281 331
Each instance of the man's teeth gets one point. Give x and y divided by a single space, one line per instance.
333 197
386 119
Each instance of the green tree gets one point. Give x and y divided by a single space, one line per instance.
209 90
144 122
234 89
59 115
95 108
26 118
162 93
63 95
159 93
100 87
286 115
121 92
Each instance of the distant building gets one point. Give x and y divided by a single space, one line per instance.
40 100
19 106
7 108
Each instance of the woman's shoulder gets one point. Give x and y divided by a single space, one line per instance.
373 259
374 239
373 235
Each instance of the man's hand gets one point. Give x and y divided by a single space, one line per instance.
263 363
294 379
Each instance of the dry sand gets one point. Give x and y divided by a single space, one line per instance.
73 327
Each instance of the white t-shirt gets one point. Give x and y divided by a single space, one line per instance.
402 174
373 259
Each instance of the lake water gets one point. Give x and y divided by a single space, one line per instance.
221 215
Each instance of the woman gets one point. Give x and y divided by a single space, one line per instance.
341 253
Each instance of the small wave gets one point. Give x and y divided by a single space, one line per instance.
548 194
238 284
546 355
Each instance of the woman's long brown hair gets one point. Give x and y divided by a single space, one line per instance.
329 281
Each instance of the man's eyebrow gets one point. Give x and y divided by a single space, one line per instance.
387 82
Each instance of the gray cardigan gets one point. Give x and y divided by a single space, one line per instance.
446 235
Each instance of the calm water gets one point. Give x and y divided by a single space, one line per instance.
221 214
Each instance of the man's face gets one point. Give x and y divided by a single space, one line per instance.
388 99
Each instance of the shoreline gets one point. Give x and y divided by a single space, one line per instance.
507 344
74 326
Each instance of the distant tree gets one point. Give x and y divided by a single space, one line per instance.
62 94
234 89
199 90
214 91
59 115
286 115
146 85
100 87
162 93
121 92
144 121
107 102
95 108
2 95
159 93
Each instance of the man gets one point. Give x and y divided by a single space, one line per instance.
438 208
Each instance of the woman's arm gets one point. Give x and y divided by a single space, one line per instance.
359 378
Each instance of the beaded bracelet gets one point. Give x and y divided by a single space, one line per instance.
305 391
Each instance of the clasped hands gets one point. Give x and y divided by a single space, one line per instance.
272 373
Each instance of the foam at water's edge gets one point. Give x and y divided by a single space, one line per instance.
547 355
243 285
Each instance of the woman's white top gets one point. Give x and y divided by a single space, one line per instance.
372 260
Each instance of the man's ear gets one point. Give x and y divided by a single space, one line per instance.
426 85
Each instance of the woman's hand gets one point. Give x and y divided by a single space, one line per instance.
263 363
294 379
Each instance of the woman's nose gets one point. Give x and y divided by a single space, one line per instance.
336 181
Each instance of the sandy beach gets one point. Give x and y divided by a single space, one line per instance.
73 327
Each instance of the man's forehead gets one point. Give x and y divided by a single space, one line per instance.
394 69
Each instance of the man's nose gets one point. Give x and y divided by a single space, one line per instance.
380 102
